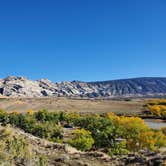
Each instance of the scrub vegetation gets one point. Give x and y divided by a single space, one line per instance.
115 135
157 107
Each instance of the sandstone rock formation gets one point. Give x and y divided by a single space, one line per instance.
13 86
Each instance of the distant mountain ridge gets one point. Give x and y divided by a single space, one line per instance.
13 86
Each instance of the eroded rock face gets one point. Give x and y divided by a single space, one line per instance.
20 87
139 87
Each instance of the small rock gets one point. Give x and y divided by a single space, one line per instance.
158 162
63 158
82 163
70 150
77 156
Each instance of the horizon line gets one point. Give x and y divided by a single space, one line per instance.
118 79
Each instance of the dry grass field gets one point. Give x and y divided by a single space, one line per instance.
131 107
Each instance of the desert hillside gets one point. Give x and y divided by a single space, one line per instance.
138 87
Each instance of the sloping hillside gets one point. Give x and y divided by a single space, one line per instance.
138 87
41 152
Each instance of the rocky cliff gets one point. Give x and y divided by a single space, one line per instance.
137 87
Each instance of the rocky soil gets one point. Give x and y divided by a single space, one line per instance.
139 87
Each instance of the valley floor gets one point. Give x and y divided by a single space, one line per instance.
126 107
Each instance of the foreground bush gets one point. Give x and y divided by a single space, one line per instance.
82 140
13 148
120 148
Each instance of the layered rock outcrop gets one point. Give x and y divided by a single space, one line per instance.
138 87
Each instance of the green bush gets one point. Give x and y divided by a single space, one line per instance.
27 123
103 130
3 117
14 119
119 148
82 140
71 118
49 131
41 115
44 115
43 161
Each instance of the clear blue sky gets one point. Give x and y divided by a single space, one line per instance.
84 40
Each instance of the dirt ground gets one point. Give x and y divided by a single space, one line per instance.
127 107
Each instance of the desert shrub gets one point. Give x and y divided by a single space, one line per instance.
41 130
19 148
72 118
14 119
41 115
54 117
3 117
49 131
156 102
42 160
159 139
163 130
44 115
82 140
13 148
120 148
30 112
155 110
157 107
26 123
42 124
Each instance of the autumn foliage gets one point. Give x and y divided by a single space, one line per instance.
117 135
157 107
